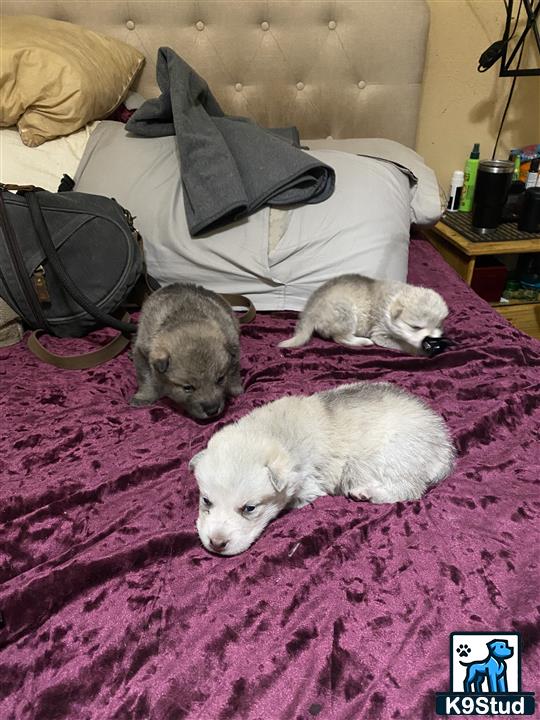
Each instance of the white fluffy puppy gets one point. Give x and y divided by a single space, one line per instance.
370 441
355 310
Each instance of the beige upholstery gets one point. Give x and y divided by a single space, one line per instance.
345 69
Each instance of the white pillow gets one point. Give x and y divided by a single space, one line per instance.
426 198
45 164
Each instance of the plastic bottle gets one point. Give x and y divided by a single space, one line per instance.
528 153
532 177
515 156
455 191
471 168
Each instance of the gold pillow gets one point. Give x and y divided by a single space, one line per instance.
55 76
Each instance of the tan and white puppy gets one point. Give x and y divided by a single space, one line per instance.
369 441
355 310
187 348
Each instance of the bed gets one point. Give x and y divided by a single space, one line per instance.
109 605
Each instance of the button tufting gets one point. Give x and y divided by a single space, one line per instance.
130 25
238 87
265 26
362 84
300 86
332 25
199 25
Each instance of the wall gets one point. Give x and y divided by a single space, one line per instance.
460 105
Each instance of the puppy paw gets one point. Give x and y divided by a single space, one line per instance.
141 401
353 340
357 496
236 390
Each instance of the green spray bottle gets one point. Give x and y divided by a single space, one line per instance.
469 184
515 157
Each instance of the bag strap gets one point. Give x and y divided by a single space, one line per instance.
28 288
244 302
19 188
78 362
117 344
54 259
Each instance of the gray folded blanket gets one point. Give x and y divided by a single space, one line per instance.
230 166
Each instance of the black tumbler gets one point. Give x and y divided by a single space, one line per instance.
492 184
529 217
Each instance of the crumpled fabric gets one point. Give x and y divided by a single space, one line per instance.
111 607
231 167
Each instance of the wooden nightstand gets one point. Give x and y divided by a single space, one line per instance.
461 254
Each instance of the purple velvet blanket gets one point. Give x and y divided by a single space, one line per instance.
111 608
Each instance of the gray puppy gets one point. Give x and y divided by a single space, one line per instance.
187 348
355 310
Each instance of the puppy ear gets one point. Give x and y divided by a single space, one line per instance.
160 361
278 481
195 460
280 470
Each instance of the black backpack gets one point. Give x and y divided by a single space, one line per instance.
68 261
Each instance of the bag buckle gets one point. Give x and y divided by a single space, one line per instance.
40 285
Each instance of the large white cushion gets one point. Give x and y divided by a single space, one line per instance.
426 203
363 227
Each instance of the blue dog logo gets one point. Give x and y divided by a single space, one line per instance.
492 669
491 686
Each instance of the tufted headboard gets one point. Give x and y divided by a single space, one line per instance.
331 67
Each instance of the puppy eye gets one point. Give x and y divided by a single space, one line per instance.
248 508
188 388
416 327
206 501
220 380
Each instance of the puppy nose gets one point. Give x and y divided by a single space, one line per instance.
211 408
218 544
